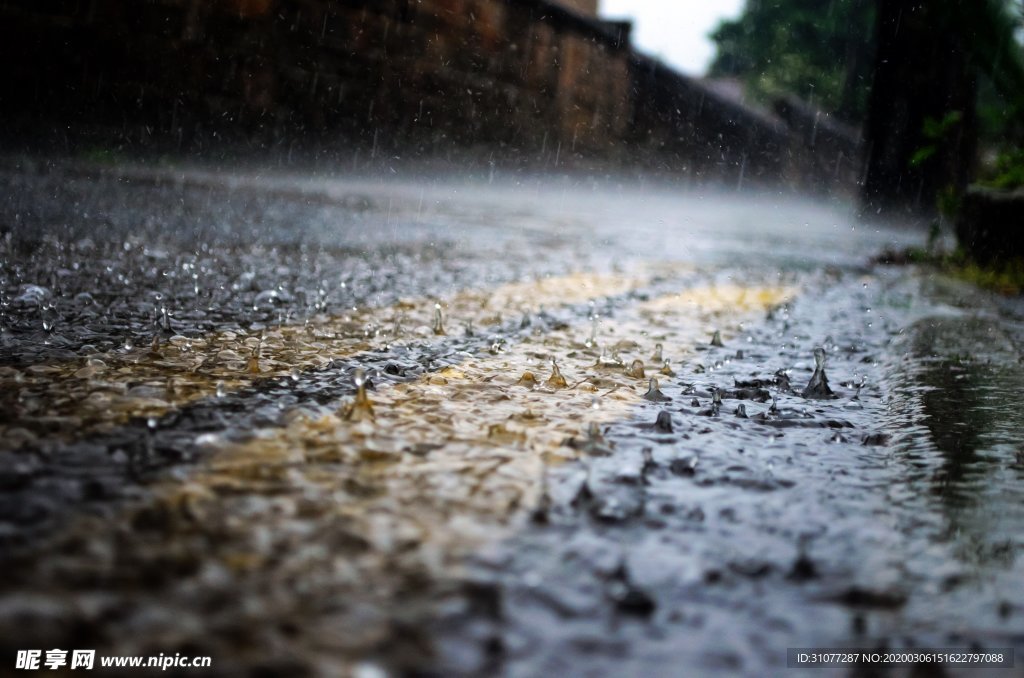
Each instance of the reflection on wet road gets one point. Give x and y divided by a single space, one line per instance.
595 438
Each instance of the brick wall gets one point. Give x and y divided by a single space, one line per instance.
517 73
517 79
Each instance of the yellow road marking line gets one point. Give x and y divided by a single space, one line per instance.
455 458
102 391
342 526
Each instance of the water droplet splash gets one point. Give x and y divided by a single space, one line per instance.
716 403
556 380
528 380
165 322
593 442
817 387
592 340
360 409
438 327
253 364
654 393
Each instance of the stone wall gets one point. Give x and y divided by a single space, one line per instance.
519 74
684 125
529 81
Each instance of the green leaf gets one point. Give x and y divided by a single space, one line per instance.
922 154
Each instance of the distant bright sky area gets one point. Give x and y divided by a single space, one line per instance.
676 31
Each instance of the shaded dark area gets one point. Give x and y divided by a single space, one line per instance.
989 225
372 76
923 72
368 85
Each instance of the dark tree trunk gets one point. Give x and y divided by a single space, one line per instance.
922 71
858 64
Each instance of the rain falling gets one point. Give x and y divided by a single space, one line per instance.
512 337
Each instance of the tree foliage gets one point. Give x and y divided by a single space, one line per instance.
820 50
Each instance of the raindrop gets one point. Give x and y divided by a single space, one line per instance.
654 393
528 380
361 409
657 357
818 386
556 380
592 341
438 321
716 339
636 369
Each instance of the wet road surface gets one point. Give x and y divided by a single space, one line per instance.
186 465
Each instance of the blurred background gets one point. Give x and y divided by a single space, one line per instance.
898 103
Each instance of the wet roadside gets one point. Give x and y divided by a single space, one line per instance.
484 520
